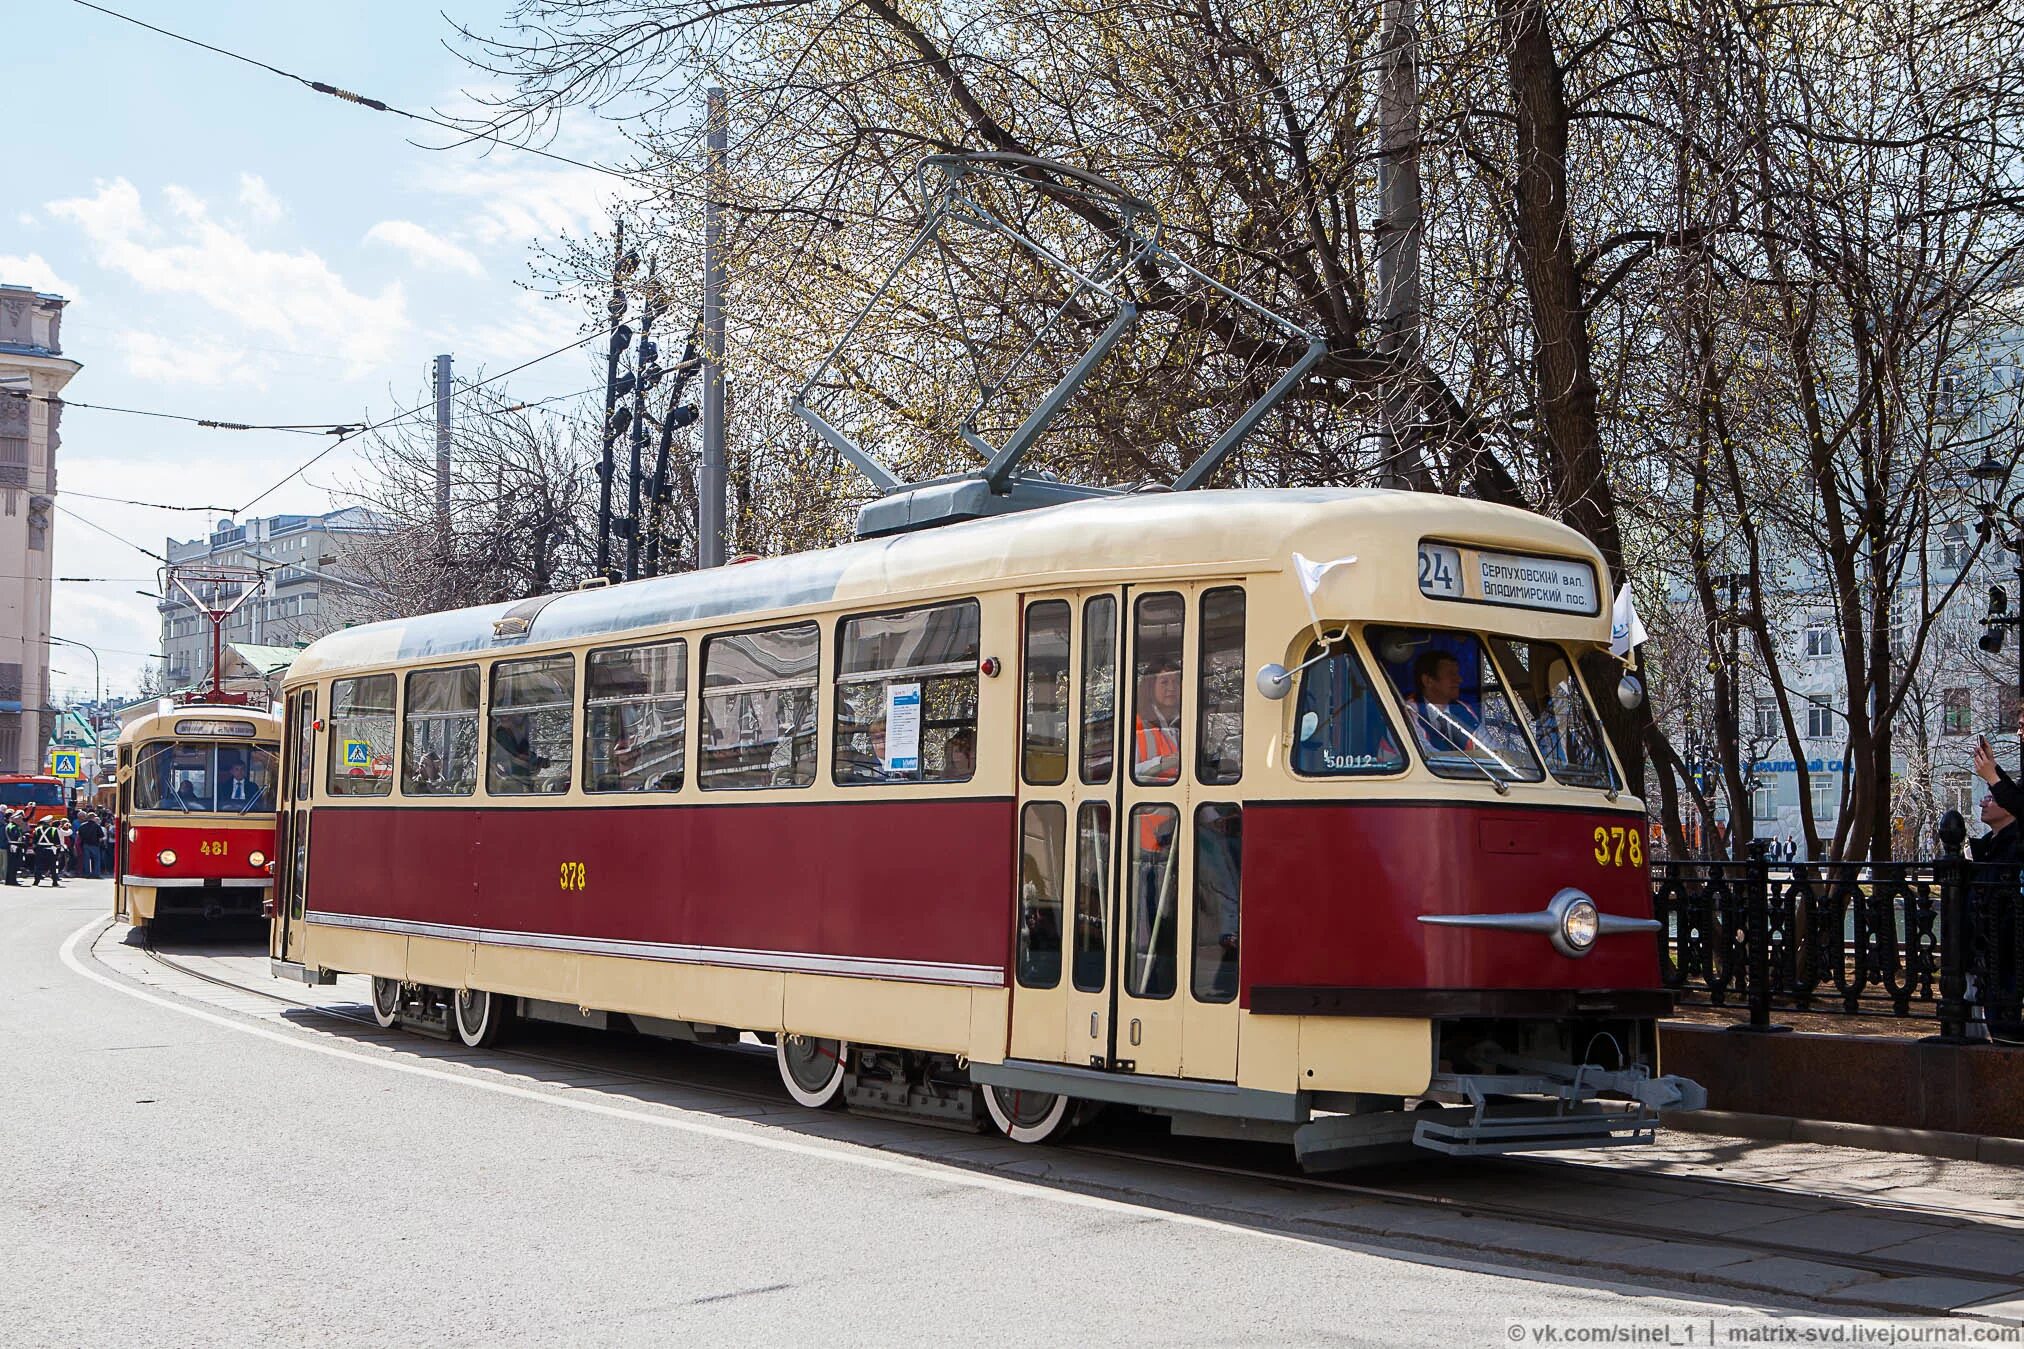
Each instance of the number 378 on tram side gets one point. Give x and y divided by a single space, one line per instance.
1281 813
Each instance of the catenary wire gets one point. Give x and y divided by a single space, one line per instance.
209 423
377 105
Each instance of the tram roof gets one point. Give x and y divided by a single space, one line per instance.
1221 532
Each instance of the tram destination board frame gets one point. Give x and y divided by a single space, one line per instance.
1462 573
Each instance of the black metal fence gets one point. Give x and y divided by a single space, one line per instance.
1936 940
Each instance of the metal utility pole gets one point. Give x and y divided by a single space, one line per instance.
443 450
677 416
622 264
646 374
1398 231
710 481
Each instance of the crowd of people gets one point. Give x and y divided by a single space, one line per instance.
78 843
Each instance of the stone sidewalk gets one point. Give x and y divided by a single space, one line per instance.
1801 1225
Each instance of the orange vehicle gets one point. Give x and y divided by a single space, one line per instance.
196 812
37 793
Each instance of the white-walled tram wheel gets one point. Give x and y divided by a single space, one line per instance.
386 1002
812 1069
1030 1116
479 1017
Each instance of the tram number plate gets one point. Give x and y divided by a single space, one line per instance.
211 847
573 876
1440 571
1615 847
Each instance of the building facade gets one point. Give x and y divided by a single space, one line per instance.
33 371
303 557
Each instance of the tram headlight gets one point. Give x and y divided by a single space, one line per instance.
1576 923
167 857
132 833
258 859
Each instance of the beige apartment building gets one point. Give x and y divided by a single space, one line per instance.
33 370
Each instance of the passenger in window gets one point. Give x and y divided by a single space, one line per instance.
1156 755
187 797
959 756
513 756
429 776
239 792
869 764
1443 720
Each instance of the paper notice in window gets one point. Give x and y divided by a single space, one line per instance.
903 728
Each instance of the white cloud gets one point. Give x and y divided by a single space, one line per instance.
423 247
34 270
294 296
519 204
189 360
25 219
259 201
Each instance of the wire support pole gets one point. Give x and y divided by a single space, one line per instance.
615 309
710 503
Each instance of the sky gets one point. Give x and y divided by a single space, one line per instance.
238 247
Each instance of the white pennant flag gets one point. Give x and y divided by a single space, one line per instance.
1626 629
1310 573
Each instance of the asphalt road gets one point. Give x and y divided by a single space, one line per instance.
169 1179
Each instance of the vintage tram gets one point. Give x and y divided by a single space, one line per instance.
196 798
1115 802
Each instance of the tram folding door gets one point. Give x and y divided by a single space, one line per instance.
291 859
1104 925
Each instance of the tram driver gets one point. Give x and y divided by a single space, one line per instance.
1440 717
238 791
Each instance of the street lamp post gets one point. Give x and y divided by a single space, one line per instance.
1991 476
97 696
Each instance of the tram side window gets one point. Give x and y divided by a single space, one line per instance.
361 737
906 696
1152 903
1157 633
1340 726
1043 832
1563 724
532 708
635 718
305 744
1219 707
1455 704
439 750
1092 894
759 708
1099 688
1219 866
1043 744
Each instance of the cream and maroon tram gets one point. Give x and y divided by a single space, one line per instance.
1115 802
196 800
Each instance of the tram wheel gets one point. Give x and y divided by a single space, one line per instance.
386 1002
1030 1116
812 1069
479 1016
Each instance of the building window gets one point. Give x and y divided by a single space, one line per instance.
1762 804
2006 708
1958 794
439 750
1819 719
635 718
531 714
906 697
1957 716
759 695
1767 719
1954 547
1819 638
361 737
1826 795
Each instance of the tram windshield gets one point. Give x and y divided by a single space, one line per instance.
1564 725
192 776
1455 704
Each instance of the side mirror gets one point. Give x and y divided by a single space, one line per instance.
1274 681
1630 693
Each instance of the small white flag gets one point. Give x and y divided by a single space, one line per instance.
1311 572
1626 629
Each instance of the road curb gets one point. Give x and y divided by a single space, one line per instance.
1877 1138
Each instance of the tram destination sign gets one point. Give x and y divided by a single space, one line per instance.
1557 584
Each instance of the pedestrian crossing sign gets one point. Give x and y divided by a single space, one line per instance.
63 764
357 754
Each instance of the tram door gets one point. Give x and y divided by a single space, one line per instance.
291 862
122 809
1064 908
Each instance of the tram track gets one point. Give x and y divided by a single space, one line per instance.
1161 1157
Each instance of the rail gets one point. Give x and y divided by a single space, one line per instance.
1937 940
